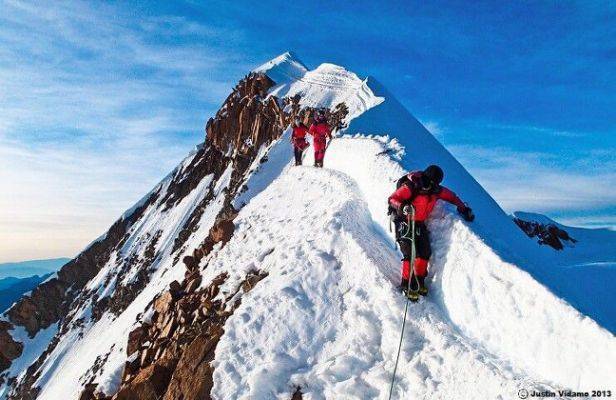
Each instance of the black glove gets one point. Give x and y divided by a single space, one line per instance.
467 214
406 210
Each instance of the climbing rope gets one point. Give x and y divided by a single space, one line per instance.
411 225
393 378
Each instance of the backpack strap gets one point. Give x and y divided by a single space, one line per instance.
408 180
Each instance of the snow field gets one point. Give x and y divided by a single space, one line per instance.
493 303
328 316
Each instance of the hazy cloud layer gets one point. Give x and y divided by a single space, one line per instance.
538 182
95 110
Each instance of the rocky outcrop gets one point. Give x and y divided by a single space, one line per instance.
548 234
150 383
248 120
221 232
9 349
169 357
192 378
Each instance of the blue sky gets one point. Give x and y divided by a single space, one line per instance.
100 100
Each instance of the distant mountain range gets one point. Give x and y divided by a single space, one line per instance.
25 269
18 278
11 288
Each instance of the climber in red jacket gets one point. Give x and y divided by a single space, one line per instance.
420 190
298 139
320 132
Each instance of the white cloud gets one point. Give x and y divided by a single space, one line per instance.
605 221
537 129
436 129
535 182
94 113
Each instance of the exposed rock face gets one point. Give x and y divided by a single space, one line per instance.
170 357
246 117
176 347
548 234
150 383
192 379
88 392
9 349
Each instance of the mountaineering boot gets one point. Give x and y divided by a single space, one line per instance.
404 285
412 291
423 289
412 295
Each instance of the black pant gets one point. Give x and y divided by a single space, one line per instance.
298 155
422 239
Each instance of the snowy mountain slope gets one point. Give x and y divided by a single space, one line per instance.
327 316
89 339
326 86
73 329
333 269
74 355
375 111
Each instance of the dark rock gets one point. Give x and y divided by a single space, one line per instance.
190 262
548 234
198 254
135 338
88 392
252 279
150 383
175 289
4 362
297 395
193 284
192 379
9 348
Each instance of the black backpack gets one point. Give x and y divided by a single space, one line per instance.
404 180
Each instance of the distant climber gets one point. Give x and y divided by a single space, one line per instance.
298 139
320 131
416 195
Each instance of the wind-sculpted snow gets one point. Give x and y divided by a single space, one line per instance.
326 86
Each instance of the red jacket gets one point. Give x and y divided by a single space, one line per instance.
423 203
298 138
320 133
